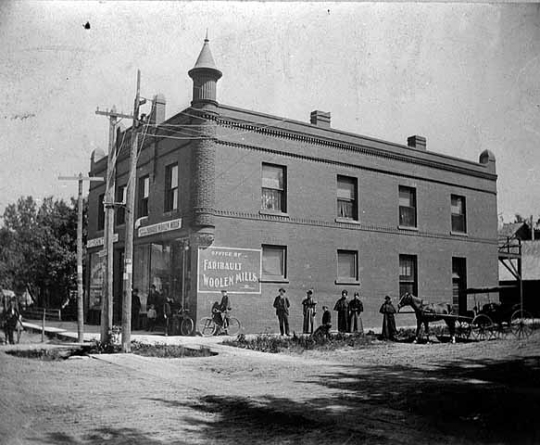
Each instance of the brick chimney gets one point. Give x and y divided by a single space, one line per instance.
157 115
320 118
418 142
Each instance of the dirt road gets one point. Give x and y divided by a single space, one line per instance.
396 393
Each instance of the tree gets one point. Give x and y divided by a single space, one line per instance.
38 248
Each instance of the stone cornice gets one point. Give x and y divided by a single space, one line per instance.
347 146
350 165
350 226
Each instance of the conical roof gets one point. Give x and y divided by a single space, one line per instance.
205 61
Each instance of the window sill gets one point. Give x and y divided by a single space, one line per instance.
274 280
347 282
348 221
464 234
274 213
412 229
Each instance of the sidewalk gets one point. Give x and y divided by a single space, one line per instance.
68 330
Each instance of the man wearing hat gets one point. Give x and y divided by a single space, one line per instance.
11 318
309 309
342 308
224 307
281 304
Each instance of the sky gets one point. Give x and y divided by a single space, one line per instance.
464 75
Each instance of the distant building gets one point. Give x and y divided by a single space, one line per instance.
236 199
530 267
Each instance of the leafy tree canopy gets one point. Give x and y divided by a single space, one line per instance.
38 248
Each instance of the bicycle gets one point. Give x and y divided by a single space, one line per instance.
208 327
183 324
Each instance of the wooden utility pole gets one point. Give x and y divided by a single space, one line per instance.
130 222
80 291
108 203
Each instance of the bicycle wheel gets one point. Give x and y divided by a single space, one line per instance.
187 326
232 326
207 327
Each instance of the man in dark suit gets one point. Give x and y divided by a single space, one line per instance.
281 304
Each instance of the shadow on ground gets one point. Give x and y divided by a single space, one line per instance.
463 402
119 436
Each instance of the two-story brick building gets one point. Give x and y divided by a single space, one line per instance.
236 199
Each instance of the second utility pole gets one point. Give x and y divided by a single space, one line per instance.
130 222
108 203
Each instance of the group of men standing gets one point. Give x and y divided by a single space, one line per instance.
348 313
159 309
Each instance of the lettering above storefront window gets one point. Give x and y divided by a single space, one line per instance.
161 227
237 270
96 242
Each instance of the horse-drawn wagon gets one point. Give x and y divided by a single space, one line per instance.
482 323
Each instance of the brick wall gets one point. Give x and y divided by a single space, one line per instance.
310 230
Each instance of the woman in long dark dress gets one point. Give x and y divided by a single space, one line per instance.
389 321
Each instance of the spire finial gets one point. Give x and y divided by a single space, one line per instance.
206 38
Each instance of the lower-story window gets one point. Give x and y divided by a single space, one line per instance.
347 265
274 262
408 276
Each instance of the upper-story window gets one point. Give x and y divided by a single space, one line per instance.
346 198
459 222
144 193
274 188
101 213
171 188
407 206
121 205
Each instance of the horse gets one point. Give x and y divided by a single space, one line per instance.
426 312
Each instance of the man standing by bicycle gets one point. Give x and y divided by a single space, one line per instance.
224 307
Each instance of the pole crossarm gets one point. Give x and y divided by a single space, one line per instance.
113 113
81 178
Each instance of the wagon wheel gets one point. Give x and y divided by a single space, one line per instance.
463 329
481 327
521 323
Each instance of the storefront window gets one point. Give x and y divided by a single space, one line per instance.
141 273
161 265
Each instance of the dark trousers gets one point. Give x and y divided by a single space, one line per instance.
135 320
283 323
9 335
355 323
151 324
